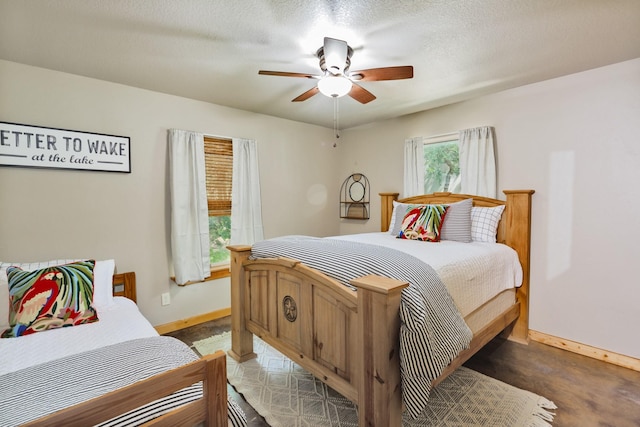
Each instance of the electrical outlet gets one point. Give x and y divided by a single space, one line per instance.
166 298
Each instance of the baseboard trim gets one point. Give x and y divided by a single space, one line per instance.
192 321
586 350
553 341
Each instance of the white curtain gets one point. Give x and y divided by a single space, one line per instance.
246 206
413 167
189 211
477 162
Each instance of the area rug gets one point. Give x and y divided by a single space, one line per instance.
286 395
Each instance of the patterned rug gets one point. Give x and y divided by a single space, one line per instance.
287 395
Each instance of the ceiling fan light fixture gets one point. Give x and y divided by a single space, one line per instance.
334 86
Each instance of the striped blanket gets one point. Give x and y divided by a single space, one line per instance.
33 392
432 330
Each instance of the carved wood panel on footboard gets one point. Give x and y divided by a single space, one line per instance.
299 316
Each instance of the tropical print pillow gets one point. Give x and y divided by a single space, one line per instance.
423 223
49 298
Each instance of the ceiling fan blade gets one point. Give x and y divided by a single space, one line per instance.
287 74
308 94
335 55
385 73
360 94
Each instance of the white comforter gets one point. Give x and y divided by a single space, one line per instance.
472 272
120 322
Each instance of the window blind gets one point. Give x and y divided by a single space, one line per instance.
218 157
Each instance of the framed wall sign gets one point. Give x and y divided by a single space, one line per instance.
42 147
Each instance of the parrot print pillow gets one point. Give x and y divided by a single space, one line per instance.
49 298
423 222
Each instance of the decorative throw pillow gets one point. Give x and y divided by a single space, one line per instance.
457 226
423 223
50 298
484 223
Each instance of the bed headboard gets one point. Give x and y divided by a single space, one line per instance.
124 285
514 230
517 210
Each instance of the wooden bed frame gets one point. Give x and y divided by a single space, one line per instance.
350 339
210 410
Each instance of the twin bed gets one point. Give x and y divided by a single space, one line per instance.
114 372
357 316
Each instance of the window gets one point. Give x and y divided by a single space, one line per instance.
441 164
218 157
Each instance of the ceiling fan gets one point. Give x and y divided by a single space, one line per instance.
336 80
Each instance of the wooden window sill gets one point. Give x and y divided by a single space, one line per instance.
218 272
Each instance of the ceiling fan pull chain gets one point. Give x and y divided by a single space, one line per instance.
336 129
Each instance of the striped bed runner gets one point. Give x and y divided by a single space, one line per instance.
432 330
34 392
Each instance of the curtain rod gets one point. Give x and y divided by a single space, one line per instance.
208 135
442 135
230 138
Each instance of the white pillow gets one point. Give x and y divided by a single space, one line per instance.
102 283
397 217
484 223
457 222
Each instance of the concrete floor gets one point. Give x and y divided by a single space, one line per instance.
588 392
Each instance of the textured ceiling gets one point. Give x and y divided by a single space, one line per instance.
211 50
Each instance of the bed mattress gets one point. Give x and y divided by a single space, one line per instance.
473 273
118 323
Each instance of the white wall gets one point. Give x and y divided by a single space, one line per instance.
51 214
572 139
575 140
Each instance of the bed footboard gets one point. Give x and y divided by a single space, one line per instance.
210 410
348 339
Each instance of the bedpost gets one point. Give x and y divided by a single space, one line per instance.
386 209
215 389
241 338
379 392
518 236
